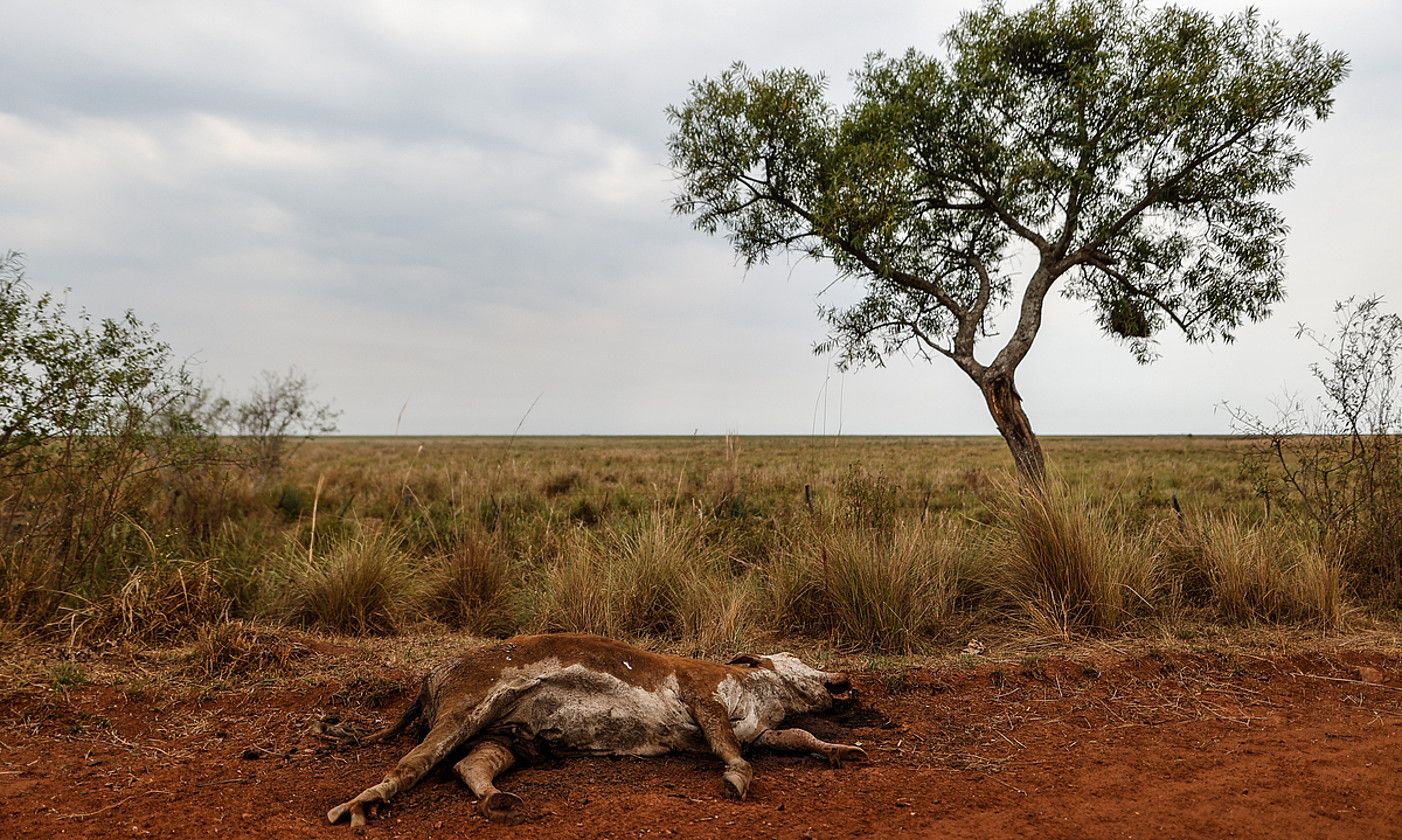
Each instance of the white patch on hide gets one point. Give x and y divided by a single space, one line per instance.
575 709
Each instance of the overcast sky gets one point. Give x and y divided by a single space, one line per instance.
460 207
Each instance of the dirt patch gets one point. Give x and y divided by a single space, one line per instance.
1068 746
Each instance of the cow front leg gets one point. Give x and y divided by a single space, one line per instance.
801 740
711 717
479 770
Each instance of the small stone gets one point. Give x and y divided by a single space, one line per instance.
1370 675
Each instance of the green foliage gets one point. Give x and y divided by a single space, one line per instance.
63 375
1130 149
1131 146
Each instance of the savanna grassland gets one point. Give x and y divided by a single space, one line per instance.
887 545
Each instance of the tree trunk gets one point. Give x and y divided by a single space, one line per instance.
1005 404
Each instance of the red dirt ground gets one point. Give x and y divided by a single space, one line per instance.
1152 745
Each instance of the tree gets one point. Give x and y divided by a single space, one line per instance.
278 412
1123 152
61 380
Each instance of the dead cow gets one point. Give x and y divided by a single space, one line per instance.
577 693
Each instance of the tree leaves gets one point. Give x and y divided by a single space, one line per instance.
1132 148
63 376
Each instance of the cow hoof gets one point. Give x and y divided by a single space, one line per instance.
737 784
359 810
496 805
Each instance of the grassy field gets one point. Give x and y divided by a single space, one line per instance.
880 544
938 473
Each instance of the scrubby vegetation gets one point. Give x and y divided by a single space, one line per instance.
126 517
877 544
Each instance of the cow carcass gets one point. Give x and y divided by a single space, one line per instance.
574 693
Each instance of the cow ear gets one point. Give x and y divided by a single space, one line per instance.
749 660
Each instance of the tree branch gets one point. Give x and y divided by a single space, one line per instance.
1006 217
1129 286
1156 192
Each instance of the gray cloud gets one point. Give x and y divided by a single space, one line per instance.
466 205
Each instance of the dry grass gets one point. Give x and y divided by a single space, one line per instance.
155 604
1068 566
473 586
239 649
879 544
888 589
1250 573
365 584
658 577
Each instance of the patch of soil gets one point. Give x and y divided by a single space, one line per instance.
1150 745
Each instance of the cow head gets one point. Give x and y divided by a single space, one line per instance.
805 688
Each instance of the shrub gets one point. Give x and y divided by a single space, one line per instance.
92 419
1338 466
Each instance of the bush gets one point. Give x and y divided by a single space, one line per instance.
93 419
277 414
1338 466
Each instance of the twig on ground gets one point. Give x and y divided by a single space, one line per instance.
1346 680
118 803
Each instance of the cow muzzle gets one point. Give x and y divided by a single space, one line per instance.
840 690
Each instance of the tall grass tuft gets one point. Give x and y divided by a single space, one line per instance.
881 588
163 603
657 577
473 586
1254 573
361 585
1068 567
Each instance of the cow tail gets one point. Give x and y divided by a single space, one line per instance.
333 728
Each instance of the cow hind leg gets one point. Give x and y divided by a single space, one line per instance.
479 770
801 740
447 734
441 740
715 725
